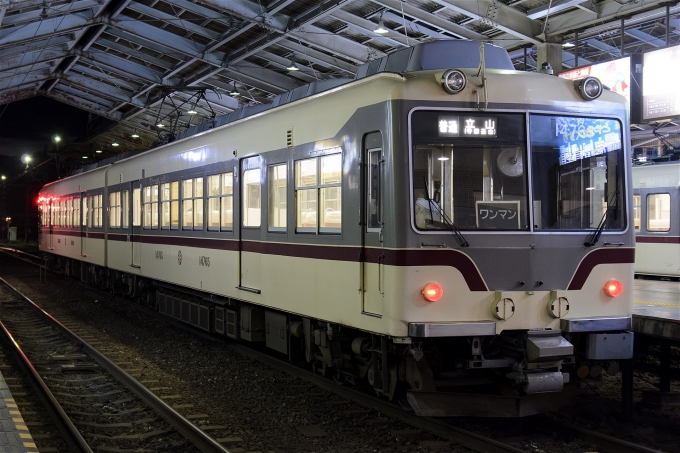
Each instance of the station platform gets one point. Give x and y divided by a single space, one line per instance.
14 435
656 309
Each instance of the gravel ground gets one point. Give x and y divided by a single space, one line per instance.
266 409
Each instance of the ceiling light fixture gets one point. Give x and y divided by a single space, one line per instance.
114 144
84 157
381 30
292 66
234 92
99 151
135 135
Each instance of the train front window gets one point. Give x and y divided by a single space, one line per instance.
469 170
577 171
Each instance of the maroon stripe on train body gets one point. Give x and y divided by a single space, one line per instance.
215 244
600 256
658 239
92 235
118 237
335 253
65 233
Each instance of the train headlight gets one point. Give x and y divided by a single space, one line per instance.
589 88
613 288
453 81
432 292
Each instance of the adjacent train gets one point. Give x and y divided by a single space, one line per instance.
656 207
447 229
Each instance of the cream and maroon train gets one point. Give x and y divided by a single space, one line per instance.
322 225
656 207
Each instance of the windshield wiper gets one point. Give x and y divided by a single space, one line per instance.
434 205
595 235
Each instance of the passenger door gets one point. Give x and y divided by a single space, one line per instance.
249 183
136 225
372 264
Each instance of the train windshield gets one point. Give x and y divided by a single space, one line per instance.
577 171
469 169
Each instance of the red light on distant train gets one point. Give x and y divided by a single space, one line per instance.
432 292
613 288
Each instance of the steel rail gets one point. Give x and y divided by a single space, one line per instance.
64 424
190 431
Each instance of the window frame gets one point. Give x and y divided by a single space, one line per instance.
194 199
271 190
318 187
648 217
169 202
244 194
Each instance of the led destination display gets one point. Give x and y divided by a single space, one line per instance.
580 138
467 126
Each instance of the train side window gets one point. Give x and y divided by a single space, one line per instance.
318 183
150 207
227 202
137 207
658 212
170 205
636 211
192 204
277 182
220 202
76 212
98 206
114 210
61 213
124 205
252 198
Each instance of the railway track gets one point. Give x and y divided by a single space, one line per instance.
436 433
98 405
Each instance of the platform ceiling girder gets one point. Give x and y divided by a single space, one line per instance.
108 78
599 45
84 104
21 80
133 53
607 10
189 26
319 57
646 38
105 89
86 95
552 8
31 58
305 74
498 15
427 18
37 67
367 27
124 67
50 27
251 12
52 11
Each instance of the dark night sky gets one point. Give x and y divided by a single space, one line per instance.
28 127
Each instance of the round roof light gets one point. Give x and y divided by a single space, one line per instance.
453 81
432 292
613 288
589 88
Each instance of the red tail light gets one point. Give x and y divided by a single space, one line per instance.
432 292
613 288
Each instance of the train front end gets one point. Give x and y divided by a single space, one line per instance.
518 266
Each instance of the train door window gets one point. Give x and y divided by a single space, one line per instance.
124 207
637 211
88 211
198 203
252 198
277 182
76 212
318 183
658 212
137 207
227 202
114 210
373 197
170 205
